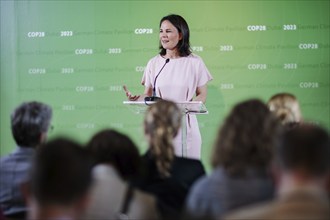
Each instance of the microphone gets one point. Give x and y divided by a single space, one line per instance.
154 97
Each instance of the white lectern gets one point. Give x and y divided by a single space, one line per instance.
193 107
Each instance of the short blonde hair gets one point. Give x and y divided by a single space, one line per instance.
286 108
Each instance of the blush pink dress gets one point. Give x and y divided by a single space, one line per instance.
177 82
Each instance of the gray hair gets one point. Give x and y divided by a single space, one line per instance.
28 121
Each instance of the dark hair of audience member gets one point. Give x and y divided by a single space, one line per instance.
246 139
61 173
161 123
28 121
305 148
117 149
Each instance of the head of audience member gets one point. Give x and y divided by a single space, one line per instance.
286 108
60 180
161 124
303 155
30 122
246 139
111 147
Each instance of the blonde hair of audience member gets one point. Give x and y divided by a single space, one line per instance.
286 108
161 124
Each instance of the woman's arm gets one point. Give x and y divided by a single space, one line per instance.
201 93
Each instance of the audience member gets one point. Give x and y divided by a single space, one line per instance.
117 160
30 122
286 108
60 181
241 161
302 167
167 176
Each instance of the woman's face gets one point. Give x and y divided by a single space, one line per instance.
169 36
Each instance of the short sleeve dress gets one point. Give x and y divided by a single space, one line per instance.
178 82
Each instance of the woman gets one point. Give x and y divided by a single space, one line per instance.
241 162
166 176
117 161
181 76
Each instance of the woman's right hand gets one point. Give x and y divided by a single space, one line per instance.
129 96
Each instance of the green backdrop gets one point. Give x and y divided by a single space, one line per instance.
76 55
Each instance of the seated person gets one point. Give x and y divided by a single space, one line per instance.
166 176
241 163
301 169
60 181
116 161
30 123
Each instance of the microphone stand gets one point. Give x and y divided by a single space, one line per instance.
154 98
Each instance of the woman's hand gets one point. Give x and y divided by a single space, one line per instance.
129 96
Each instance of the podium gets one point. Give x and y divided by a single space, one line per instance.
186 108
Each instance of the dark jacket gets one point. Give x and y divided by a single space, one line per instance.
170 192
